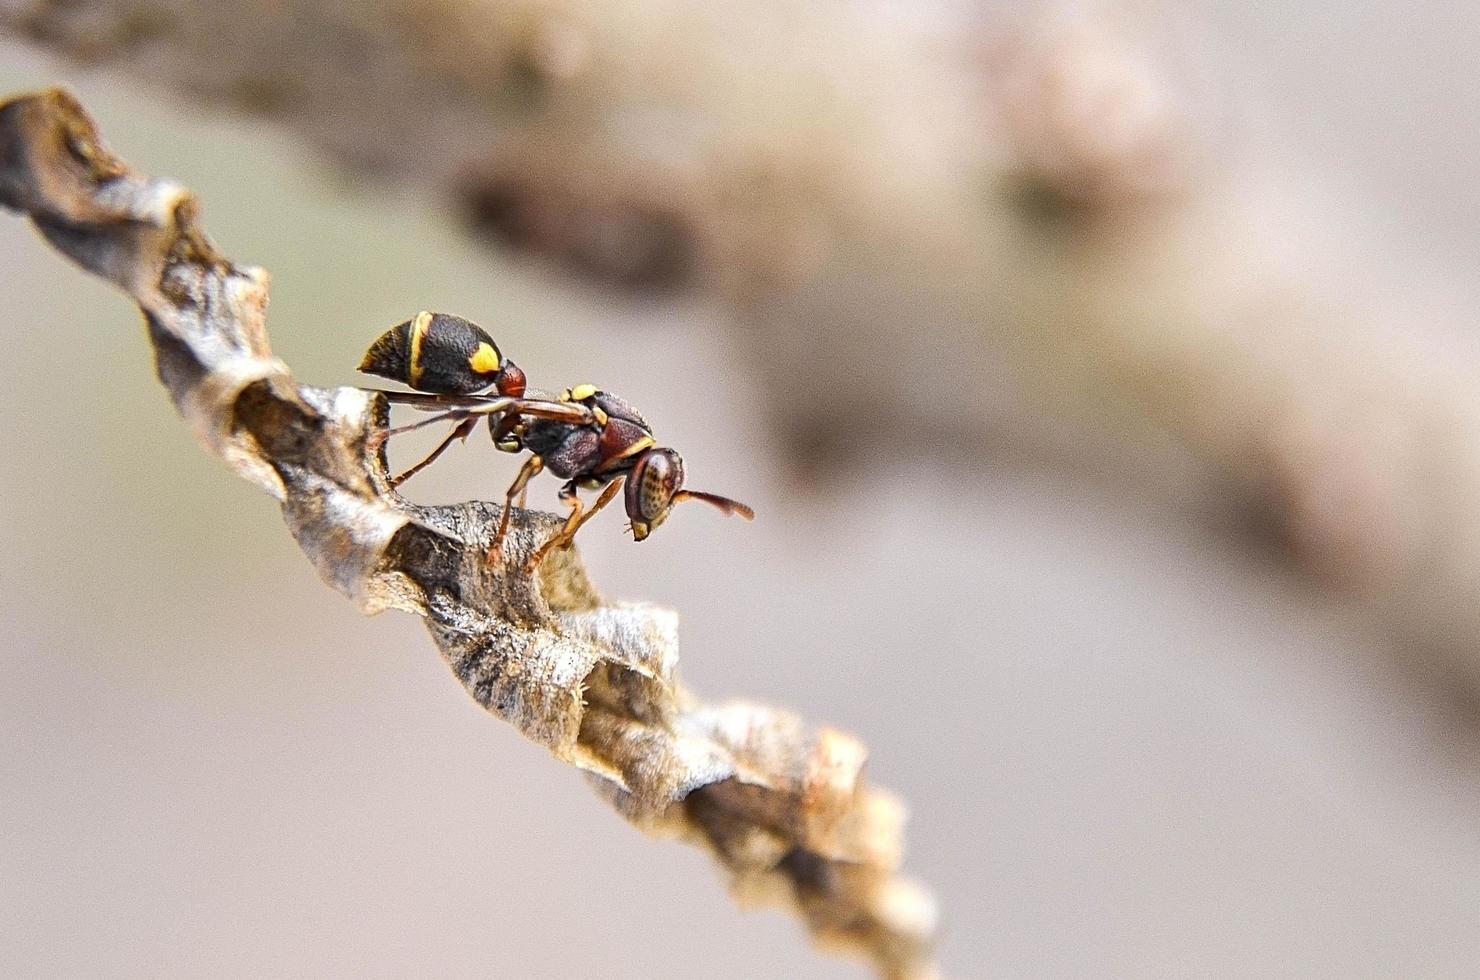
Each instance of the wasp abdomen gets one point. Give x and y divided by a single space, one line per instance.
437 353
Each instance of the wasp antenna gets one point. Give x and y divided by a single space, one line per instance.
715 500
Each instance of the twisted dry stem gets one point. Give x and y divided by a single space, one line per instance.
783 807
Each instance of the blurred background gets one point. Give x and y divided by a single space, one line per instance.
1101 376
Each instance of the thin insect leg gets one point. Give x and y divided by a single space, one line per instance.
531 467
461 431
571 499
612 489
505 432
573 523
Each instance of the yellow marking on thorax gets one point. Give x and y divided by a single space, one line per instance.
641 445
581 392
484 360
419 328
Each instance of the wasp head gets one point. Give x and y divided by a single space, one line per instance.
656 484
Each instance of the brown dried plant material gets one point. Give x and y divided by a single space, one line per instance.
782 806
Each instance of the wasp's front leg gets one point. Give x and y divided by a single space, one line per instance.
574 522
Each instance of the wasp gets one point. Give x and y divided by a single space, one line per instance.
591 439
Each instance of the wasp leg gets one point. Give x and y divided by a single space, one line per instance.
461 431
508 434
574 522
528 471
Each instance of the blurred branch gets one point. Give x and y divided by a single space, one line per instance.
783 808
1045 213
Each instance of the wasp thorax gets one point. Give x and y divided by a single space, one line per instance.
654 481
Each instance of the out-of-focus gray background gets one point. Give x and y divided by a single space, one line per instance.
1132 743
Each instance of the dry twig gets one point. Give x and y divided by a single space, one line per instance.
783 807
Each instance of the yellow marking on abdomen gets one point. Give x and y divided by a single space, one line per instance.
419 328
485 359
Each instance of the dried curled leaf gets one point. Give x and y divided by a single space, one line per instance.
782 806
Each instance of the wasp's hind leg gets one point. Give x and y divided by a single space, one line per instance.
461 431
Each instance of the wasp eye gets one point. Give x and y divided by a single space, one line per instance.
651 486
